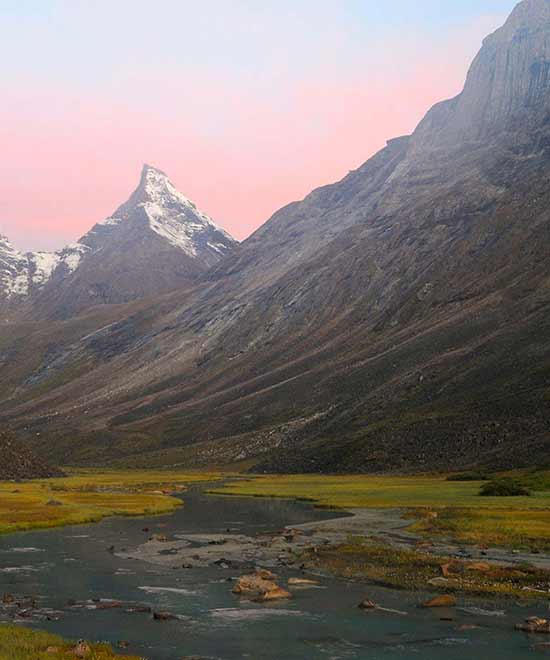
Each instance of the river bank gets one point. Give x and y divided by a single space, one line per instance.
183 567
363 544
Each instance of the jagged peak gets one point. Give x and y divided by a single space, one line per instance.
509 79
528 14
154 180
168 213
8 247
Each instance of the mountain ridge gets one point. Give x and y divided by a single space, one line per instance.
106 264
395 320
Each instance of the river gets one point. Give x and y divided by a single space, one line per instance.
75 564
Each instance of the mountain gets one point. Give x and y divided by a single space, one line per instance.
395 320
17 462
155 242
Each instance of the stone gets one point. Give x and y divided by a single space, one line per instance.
367 605
276 594
265 574
138 609
260 588
479 567
535 624
164 616
447 600
452 568
302 582
108 605
439 582
82 649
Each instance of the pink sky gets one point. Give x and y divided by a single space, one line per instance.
241 148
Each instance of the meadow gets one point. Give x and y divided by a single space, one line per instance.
87 496
461 513
17 643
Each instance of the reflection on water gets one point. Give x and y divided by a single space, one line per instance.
77 564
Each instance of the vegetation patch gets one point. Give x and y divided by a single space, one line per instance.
90 496
504 487
519 528
415 570
468 476
455 507
17 643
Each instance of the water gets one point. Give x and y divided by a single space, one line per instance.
320 623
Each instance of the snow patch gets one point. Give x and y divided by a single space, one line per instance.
175 217
71 256
44 265
20 273
110 221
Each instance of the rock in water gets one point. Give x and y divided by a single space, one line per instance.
257 587
535 624
367 605
302 582
447 600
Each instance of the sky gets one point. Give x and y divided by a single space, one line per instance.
246 104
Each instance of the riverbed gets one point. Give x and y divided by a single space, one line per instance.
77 572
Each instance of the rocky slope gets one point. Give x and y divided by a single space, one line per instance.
395 320
155 242
17 462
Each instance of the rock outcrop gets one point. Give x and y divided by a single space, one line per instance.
18 462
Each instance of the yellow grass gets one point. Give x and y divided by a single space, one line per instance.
88 496
462 513
17 643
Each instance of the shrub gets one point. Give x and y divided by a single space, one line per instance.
468 476
505 487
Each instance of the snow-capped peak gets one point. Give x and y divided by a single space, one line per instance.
14 280
156 209
171 215
7 249
158 189
22 273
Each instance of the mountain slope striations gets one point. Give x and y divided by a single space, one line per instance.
395 320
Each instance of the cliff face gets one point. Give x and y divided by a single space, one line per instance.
507 87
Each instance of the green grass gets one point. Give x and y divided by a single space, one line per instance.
91 495
462 513
17 643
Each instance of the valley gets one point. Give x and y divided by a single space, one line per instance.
188 558
328 440
396 320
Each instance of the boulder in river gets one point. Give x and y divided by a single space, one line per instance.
261 588
302 582
367 605
535 625
447 600
275 594
164 616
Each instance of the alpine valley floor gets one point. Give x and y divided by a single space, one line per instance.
419 536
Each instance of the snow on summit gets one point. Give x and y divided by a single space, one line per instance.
173 216
156 210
